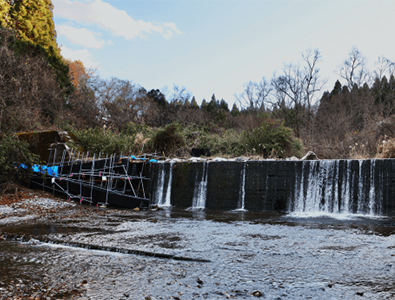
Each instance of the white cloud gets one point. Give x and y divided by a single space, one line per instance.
82 55
80 36
110 18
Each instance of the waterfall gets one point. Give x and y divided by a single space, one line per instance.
168 190
240 204
372 190
200 190
334 186
345 195
160 184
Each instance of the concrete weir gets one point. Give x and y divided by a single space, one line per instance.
332 186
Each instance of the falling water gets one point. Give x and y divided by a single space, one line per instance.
333 186
200 191
160 185
168 190
361 208
372 190
345 195
242 188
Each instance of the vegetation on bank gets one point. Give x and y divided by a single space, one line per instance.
270 139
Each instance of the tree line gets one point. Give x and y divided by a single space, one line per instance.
39 89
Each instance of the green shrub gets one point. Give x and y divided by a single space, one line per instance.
168 140
12 153
272 139
105 141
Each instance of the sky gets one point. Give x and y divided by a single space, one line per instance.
217 46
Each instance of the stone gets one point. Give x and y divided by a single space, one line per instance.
257 294
310 156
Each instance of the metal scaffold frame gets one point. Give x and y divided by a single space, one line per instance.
117 180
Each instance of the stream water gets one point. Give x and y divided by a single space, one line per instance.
232 255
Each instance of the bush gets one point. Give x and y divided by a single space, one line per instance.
386 149
12 153
272 139
168 140
105 141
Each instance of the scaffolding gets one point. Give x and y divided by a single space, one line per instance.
110 180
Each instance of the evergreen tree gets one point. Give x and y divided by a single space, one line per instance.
235 111
212 105
223 105
35 35
33 20
194 103
204 105
4 13
337 89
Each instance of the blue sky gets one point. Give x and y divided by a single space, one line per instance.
217 46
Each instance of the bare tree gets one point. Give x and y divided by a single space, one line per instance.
180 95
255 95
289 89
296 89
384 67
353 69
383 86
312 81
30 97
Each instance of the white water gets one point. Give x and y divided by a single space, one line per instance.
160 185
317 188
200 191
168 190
241 205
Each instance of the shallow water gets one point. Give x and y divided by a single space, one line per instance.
281 256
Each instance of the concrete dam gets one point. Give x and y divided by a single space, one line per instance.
329 186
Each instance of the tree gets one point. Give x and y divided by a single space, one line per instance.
4 13
312 82
78 74
29 93
296 89
384 67
158 97
213 105
353 69
194 103
235 111
33 20
223 105
179 95
35 34
203 106
255 95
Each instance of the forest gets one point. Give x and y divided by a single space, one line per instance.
280 117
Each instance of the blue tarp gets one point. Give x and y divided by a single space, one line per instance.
51 171
142 158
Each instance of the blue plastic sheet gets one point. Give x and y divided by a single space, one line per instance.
51 171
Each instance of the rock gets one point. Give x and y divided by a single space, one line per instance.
199 281
293 158
310 156
257 294
360 294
